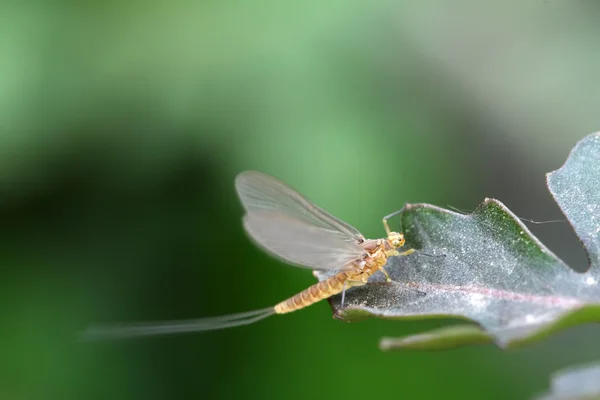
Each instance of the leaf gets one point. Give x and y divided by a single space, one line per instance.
575 383
576 189
438 339
492 270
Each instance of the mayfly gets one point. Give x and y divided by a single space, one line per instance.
292 228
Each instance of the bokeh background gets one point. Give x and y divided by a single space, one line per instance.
123 125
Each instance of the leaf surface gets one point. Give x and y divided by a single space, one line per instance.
489 268
575 383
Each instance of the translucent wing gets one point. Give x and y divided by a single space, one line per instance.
260 192
300 243
294 229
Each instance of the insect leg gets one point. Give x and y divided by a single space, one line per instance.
343 294
385 219
387 277
407 252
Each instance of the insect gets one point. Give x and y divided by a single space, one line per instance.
293 229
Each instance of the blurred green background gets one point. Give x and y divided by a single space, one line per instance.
123 125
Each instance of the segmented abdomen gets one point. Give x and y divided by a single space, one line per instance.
317 292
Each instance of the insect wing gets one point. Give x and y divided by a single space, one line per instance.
297 242
259 192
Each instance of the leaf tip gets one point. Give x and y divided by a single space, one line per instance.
438 339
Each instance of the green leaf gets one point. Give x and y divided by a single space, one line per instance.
438 339
492 270
576 189
575 383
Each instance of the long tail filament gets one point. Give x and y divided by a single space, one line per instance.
171 327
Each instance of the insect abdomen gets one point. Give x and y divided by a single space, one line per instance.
313 294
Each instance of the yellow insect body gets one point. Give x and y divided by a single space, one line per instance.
340 281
